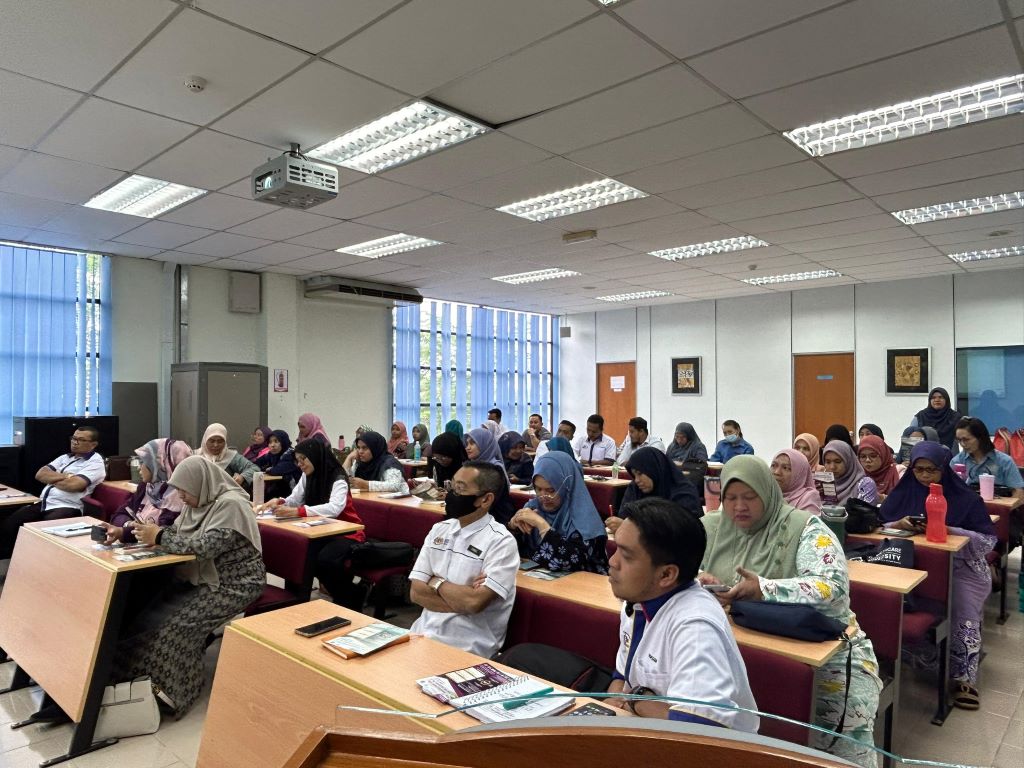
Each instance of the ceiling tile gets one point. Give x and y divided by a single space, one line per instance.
368 196
208 160
125 249
73 43
162 234
482 222
942 171
628 212
839 38
522 183
1015 263
223 245
377 269
658 97
663 225
901 250
587 58
64 240
857 225
872 238
277 253
10 157
420 213
750 185
30 108
217 211
283 224
325 262
310 107
88 222
951 242
993 221
806 218
235 265
103 133
235 63
285 269
960 190
770 265
346 233
179 257
13 233
793 200
428 46
718 127
22 211
656 242
311 25
54 178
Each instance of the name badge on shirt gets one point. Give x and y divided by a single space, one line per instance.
474 550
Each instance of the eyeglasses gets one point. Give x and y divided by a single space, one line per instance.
82 440
927 471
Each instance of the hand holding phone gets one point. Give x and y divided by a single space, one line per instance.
320 627
717 587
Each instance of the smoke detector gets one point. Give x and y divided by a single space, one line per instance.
195 83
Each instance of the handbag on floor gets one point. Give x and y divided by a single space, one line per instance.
128 709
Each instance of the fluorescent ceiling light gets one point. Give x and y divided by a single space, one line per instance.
792 277
635 296
585 197
993 253
713 246
970 104
607 2
143 196
412 132
535 277
386 246
954 210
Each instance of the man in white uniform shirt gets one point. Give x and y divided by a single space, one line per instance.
595 448
465 575
637 438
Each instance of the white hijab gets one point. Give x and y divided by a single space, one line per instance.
225 457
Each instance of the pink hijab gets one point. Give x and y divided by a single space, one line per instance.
397 445
312 425
812 441
800 491
887 475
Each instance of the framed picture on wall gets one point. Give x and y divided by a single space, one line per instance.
280 379
685 375
906 371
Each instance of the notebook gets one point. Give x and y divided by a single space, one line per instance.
367 640
67 531
463 682
495 712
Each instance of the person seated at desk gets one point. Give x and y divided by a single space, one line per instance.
455 427
154 500
536 432
214 449
766 549
838 432
279 461
447 455
258 444
311 428
482 445
167 639
560 529
420 436
980 457
494 417
793 474
972 583
911 437
878 462
518 464
731 444
851 480
399 440
870 429
595 448
465 574
654 476
686 445
566 430
67 478
371 467
810 447
637 437
557 444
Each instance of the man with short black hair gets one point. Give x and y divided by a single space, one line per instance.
638 437
495 415
465 575
536 432
67 478
566 429
595 448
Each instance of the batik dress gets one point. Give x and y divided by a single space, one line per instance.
822 581
972 584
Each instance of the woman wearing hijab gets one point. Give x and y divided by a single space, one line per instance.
447 455
310 427
455 427
940 416
518 464
686 446
876 458
280 462
911 437
654 476
765 549
870 429
154 501
373 468
258 445
399 440
560 529
420 435
559 444
215 449
167 640
850 479
482 445
838 432
809 446
793 474
972 583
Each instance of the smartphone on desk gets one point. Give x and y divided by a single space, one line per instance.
898 533
320 627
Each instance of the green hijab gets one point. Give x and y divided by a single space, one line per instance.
769 547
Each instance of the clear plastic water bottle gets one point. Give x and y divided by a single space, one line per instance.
416 452
134 466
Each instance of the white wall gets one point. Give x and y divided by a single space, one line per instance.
136 295
746 345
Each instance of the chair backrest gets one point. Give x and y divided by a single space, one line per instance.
879 613
783 687
1003 524
284 553
936 561
591 632
109 498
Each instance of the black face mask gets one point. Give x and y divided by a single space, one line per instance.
458 505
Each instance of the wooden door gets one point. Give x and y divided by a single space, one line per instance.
616 397
823 393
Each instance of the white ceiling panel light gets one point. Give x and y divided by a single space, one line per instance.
585 197
409 133
971 207
970 104
708 248
386 246
143 196
535 277
793 277
992 253
635 296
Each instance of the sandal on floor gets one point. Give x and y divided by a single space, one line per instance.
966 697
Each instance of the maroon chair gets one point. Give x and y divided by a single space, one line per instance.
104 501
285 555
782 687
880 614
999 557
929 623
610 547
582 629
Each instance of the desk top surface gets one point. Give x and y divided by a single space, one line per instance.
951 544
374 497
83 546
902 580
413 462
121 485
1003 501
300 527
12 497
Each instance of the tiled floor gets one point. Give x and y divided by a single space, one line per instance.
992 736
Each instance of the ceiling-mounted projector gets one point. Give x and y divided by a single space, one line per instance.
293 181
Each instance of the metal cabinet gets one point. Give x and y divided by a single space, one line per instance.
233 394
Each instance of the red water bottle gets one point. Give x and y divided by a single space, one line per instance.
935 509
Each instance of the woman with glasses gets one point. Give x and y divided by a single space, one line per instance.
979 456
560 529
965 516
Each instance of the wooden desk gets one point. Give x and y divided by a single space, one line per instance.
902 580
604 492
951 544
121 485
291 684
413 467
13 498
316 538
60 616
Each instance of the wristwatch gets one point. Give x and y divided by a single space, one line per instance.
639 691
436 586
